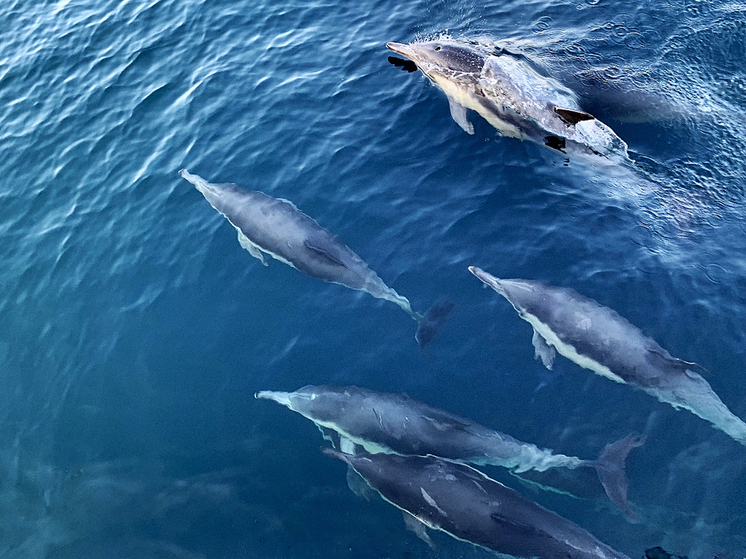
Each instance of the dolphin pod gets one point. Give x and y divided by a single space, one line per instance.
512 96
413 454
597 338
466 504
396 424
274 226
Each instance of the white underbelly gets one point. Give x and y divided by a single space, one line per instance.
569 351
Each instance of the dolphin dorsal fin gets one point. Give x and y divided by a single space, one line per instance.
571 116
518 526
663 359
688 368
333 258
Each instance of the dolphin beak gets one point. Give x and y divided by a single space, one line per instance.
404 50
184 174
199 183
279 397
335 454
488 279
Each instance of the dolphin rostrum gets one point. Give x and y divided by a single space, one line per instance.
397 424
467 505
274 226
597 338
511 95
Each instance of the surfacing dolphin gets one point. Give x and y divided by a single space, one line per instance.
274 226
397 424
597 338
467 505
508 91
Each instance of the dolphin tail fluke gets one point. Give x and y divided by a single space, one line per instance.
432 320
611 470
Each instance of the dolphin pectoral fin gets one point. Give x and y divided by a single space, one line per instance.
253 249
321 251
611 469
358 485
543 351
433 319
458 114
555 142
571 116
420 530
347 446
330 435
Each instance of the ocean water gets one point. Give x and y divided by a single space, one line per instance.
134 330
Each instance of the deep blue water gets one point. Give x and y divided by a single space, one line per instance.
135 330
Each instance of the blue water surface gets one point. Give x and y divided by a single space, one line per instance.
135 330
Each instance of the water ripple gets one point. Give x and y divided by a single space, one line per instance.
135 326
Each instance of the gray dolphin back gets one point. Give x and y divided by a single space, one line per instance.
396 423
598 338
467 505
274 226
279 229
513 96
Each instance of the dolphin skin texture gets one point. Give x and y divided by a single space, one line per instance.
597 338
381 422
508 91
469 506
274 226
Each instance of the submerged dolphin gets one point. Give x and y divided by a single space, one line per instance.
512 96
469 506
597 338
276 227
397 424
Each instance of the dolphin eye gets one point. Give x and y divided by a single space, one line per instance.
438 47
